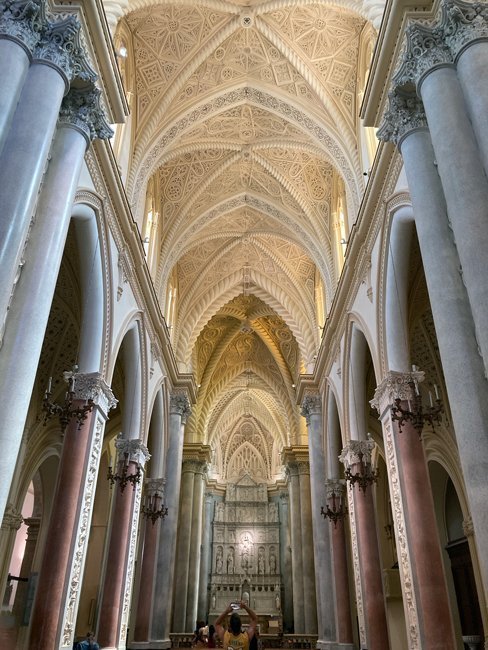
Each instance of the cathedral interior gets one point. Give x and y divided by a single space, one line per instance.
243 310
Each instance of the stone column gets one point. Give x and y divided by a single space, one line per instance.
286 561
429 63
336 493
296 549
21 25
312 411
189 469
154 493
18 610
163 594
195 546
421 565
355 453
203 604
465 27
121 549
308 566
81 120
57 60
67 536
405 125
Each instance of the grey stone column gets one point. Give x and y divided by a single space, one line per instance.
57 60
429 63
18 609
195 547
286 561
308 565
163 593
463 367
183 543
203 604
21 25
81 120
296 549
465 25
312 411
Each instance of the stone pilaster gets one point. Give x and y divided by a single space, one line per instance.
296 549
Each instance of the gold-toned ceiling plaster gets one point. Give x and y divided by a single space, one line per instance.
247 116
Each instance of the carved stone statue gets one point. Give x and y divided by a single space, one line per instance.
230 561
272 563
219 563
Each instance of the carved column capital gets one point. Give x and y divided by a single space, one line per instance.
61 47
335 486
92 386
291 469
405 113
12 518
154 487
303 467
311 405
463 23
136 451
194 465
426 50
23 21
396 385
356 451
284 498
180 404
81 110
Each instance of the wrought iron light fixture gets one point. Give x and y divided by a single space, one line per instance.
357 462
66 412
154 508
415 412
123 478
335 497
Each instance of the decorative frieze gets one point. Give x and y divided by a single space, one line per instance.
311 405
81 109
23 21
405 113
396 385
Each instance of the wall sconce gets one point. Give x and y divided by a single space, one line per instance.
130 451
153 507
66 412
415 412
356 457
336 511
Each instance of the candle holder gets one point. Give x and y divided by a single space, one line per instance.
357 456
335 498
153 507
415 411
123 478
66 412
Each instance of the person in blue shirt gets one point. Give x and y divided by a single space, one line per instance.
89 643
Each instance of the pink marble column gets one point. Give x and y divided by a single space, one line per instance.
339 555
32 524
52 579
422 536
132 456
353 456
148 569
111 603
